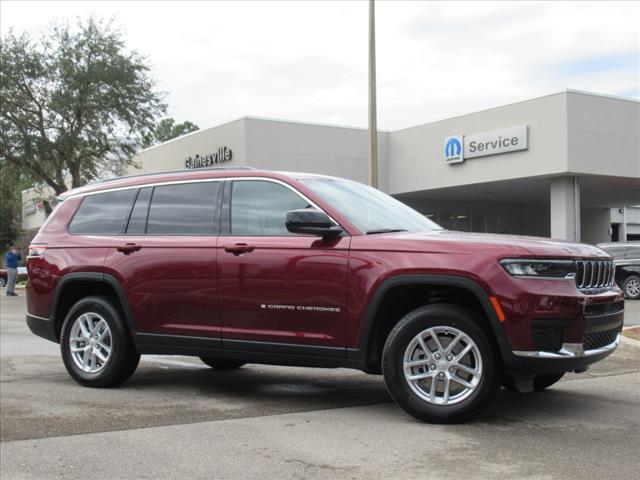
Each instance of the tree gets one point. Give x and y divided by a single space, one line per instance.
168 129
12 182
75 105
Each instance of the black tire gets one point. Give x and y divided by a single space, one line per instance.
629 292
123 359
222 363
401 336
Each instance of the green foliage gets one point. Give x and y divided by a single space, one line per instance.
76 105
168 129
12 182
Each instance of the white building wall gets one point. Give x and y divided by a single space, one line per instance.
290 146
416 155
604 136
171 155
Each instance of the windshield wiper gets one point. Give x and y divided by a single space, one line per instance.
386 230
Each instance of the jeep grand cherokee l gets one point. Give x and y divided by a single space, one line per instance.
246 266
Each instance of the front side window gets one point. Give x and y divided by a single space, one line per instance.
183 209
369 209
259 208
103 213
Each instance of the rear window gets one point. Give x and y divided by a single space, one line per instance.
103 213
183 209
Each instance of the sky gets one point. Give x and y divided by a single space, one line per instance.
307 61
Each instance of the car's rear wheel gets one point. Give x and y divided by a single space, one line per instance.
631 287
95 343
222 363
439 365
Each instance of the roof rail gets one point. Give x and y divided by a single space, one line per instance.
113 179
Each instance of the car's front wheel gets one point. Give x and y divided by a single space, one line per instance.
631 287
95 343
439 365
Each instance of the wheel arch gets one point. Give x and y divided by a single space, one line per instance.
74 286
367 345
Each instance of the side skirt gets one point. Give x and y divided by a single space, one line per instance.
267 353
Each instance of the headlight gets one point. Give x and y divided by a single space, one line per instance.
521 267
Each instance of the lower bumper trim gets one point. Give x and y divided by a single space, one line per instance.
43 327
569 350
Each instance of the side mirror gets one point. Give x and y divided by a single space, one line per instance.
312 221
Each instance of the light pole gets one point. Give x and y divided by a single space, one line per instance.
373 124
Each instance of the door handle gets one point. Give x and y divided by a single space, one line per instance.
129 248
239 248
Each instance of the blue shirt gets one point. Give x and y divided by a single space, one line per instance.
12 259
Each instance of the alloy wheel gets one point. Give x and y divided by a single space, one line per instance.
442 365
90 342
632 287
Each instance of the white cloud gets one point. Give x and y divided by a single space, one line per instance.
307 61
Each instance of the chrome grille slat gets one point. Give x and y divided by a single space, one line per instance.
594 274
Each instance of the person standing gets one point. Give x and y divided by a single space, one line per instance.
12 260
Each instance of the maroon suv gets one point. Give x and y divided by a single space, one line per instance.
245 266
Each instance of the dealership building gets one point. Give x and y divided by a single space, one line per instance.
565 165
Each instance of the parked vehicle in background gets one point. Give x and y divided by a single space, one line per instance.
4 276
626 257
245 266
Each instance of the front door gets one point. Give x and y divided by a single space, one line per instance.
166 259
275 286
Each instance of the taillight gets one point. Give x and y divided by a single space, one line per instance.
37 250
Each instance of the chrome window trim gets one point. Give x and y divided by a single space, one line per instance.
201 180
158 184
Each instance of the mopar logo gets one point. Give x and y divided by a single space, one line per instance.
453 149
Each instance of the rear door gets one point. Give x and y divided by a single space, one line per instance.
276 288
166 258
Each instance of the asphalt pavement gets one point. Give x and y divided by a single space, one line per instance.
177 418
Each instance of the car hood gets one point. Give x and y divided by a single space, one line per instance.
466 242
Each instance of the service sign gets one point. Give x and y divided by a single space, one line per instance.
489 143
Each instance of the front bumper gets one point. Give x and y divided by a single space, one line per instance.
601 336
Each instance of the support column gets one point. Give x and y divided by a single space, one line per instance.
565 208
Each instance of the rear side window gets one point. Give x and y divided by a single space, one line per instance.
183 209
103 213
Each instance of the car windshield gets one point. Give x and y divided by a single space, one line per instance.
370 210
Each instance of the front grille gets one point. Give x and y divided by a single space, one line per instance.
600 339
548 339
596 309
594 274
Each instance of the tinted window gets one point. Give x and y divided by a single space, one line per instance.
183 209
260 208
138 220
103 213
